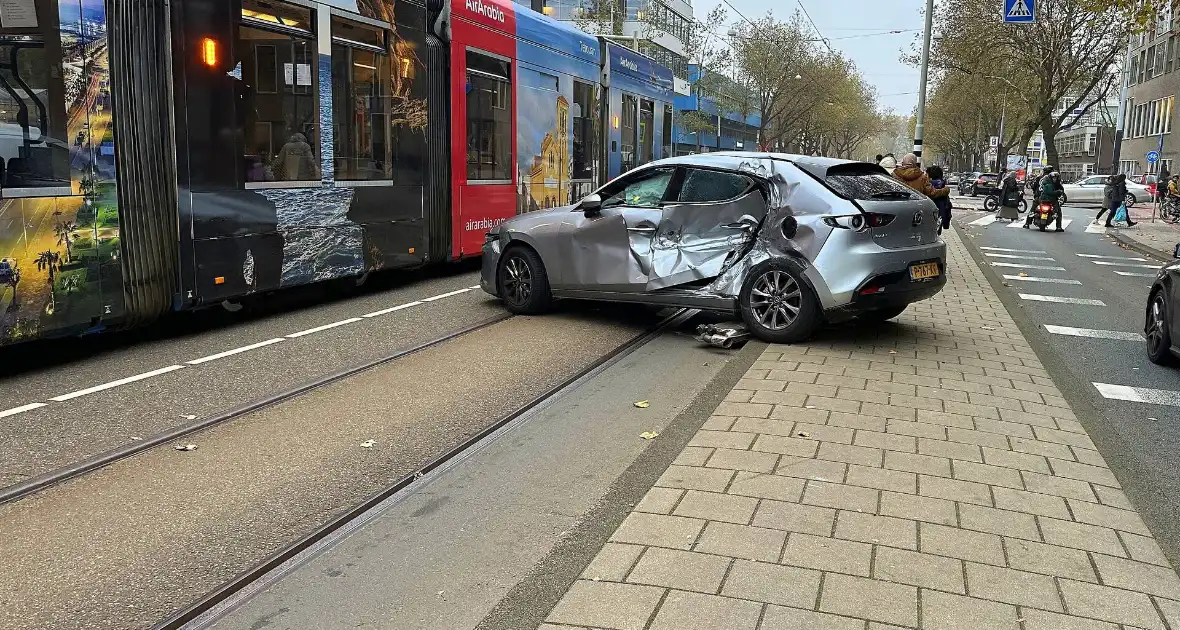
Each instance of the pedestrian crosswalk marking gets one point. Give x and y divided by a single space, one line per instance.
1135 274
1015 251
1064 224
1019 10
1139 394
1060 300
1093 333
1048 280
1017 257
984 221
1113 257
1119 264
1095 228
1020 266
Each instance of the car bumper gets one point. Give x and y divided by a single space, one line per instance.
491 263
889 285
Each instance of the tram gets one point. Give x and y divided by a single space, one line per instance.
157 157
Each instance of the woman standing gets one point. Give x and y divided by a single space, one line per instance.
1114 195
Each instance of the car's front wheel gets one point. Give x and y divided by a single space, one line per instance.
521 282
1159 339
776 305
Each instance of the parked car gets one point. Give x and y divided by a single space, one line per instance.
1092 188
953 179
1161 329
980 184
785 242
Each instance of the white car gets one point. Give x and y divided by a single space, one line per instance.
1091 189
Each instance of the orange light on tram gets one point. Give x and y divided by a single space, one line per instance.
209 52
614 121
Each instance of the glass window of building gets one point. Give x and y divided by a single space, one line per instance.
489 118
276 48
585 118
361 78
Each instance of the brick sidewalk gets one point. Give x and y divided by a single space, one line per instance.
927 475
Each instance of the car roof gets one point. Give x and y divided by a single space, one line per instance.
733 160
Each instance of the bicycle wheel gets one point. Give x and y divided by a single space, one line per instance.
1023 206
991 204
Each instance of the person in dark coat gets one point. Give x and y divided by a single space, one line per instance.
1113 196
938 182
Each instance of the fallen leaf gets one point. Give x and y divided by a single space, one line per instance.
1154 419
803 434
648 435
188 416
643 404
185 447
368 444
809 406
1023 275
137 438
988 327
893 352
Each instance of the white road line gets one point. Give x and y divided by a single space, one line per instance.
230 353
1060 300
1135 274
1064 224
1119 264
1094 334
323 328
1016 257
984 221
445 295
1020 266
477 287
386 311
1113 257
1095 228
1139 394
112 384
1017 251
1049 280
21 409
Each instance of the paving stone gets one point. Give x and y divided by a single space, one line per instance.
753 461
862 395
1106 516
1087 456
1113 497
910 462
695 611
761 384
882 479
850 454
828 554
916 429
970 409
1058 486
824 433
1045 434
682 570
779 618
918 508
766 426
946 419
1003 427
952 450
888 441
752 410
841 381
718 423
607 605
856 421
794 517
739 396
695 478
1144 549
961 543
800 414
833 404
944 611
1138 576
659 500
870 599
818 469
675 532
1030 502
613 562
889 411
786 445
712 506
884 530
776 584
990 475
1012 587
840 496
954 490
1080 536
1016 460
723 439
1043 620
1110 604
978 438
1035 419
742 541
1002 522
1170 610
787 397
891 387
766 486
918 569
693 456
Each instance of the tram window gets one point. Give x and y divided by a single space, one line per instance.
277 49
361 77
647 118
629 128
667 131
585 113
489 123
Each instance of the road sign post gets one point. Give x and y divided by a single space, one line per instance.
1020 11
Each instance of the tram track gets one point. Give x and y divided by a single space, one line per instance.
208 609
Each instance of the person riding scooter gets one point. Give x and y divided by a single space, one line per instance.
1051 192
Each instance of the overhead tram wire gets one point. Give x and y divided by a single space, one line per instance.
821 35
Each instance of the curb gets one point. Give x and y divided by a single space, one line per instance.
1140 247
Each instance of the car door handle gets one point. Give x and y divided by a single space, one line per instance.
642 230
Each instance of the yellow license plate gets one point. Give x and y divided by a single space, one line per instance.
924 271
1044 216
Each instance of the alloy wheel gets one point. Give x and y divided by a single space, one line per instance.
775 300
1156 331
517 281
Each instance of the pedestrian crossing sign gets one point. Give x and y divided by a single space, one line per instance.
1020 11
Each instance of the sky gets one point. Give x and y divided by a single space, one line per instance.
846 23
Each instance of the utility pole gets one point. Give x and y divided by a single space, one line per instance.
1122 115
1000 143
920 127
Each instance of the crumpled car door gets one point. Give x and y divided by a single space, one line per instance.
610 251
694 241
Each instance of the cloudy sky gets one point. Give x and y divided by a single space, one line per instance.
854 27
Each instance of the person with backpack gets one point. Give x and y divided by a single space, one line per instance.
938 182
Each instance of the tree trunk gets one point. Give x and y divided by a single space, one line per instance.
1050 134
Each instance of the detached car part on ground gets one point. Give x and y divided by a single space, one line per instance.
785 242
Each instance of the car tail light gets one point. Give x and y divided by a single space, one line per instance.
871 289
878 220
980 181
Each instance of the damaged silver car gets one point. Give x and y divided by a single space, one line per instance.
785 242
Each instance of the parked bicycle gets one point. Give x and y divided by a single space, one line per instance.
1170 209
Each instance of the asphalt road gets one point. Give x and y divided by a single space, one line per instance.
1082 308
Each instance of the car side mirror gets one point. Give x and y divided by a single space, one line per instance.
591 204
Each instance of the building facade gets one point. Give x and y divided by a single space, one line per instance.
730 128
1154 80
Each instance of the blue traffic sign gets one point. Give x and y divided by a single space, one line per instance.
1020 11
1153 157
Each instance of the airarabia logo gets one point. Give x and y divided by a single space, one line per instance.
487 10
629 64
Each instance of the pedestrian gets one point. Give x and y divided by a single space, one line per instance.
1113 196
913 176
888 162
1010 191
938 181
877 160
1051 191
1162 182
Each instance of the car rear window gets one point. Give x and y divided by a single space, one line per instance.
990 178
863 182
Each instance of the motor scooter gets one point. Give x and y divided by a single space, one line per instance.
1045 214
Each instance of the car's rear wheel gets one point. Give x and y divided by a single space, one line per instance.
883 314
776 305
521 282
1159 339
